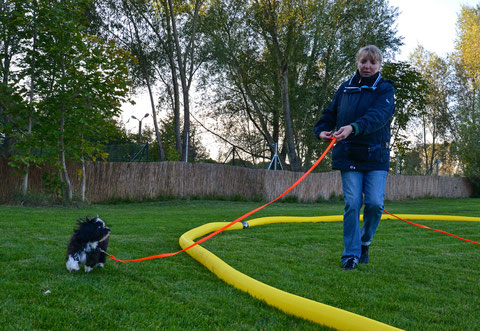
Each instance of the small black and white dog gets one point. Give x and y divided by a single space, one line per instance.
86 245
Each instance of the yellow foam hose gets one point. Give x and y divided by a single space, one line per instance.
448 218
292 304
339 218
287 302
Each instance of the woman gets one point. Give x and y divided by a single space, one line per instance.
360 112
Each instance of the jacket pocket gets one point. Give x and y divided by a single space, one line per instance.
364 153
356 152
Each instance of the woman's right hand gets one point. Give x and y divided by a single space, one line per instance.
326 135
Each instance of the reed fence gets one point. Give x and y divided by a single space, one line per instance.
107 181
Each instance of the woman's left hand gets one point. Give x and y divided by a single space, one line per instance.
343 132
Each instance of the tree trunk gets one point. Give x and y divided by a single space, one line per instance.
169 49
64 172
282 63
176 90
425 151
25 182
289 135
84 180
30 120
183 79
65 177
182 68
155 123
27 170
8 141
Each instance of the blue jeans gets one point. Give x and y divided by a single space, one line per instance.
359 187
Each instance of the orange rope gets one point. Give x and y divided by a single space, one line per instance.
429 228
265 205
238 219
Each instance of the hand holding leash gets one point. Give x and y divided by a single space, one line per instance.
339 135
326 136
343 132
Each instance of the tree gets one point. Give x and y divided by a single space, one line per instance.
280 24
436 118
130 24
410 93
468 43
276 64
467 70
76 86
163 35
12 42
185 62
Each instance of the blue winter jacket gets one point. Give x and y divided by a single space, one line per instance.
368 105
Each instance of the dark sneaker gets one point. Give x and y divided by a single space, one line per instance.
349 265
364 256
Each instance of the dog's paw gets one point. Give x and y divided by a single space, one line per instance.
88 269
100 265
72 265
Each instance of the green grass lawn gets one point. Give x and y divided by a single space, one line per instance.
416 280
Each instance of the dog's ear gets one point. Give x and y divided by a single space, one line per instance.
79 224
82 231
81 221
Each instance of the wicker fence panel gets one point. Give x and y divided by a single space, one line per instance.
138 181
9 182
314 187
414 187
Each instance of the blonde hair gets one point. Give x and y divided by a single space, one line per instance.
370 52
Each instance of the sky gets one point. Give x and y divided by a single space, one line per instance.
430 23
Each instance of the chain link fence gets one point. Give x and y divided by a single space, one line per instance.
128 153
